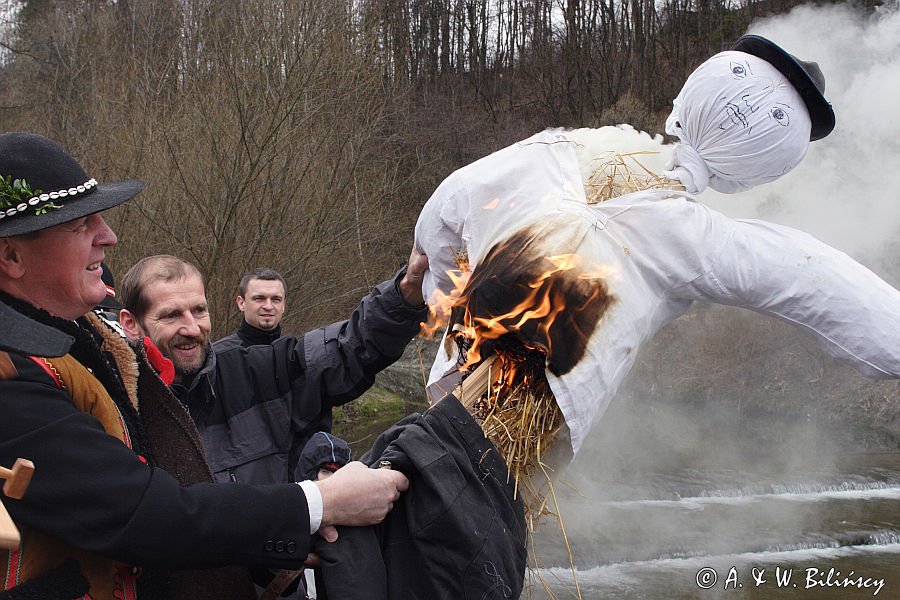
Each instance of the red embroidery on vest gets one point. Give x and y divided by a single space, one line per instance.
13 567
126 581
50 370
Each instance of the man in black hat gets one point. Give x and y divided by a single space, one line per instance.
102 492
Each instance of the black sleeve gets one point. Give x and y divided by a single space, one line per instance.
91 491
342 359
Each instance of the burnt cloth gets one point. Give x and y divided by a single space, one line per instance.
458 532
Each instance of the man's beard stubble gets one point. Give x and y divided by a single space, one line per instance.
185 368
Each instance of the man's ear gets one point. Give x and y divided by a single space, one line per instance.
11 263
130 324
240 303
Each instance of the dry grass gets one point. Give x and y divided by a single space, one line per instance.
510 398
618 174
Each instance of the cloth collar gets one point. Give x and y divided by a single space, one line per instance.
203 381
88 350
256 336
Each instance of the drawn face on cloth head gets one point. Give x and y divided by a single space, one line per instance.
740 123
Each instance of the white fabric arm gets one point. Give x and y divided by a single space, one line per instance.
789 274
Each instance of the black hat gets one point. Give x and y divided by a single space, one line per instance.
806 77
110 300
44 186
23 335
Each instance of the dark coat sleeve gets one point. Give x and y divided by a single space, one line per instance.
91 491
342 359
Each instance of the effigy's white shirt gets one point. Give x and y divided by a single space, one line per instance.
664 250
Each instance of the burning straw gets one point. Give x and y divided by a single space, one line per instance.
518 315
509 396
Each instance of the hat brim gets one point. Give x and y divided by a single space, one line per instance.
112 303
102 197
23 335
820 112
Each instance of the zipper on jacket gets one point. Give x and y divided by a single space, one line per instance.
232 476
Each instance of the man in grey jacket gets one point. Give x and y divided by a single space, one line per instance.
256 407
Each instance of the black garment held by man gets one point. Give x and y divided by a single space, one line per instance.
458 533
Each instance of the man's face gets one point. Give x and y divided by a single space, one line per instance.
60 266
263 303
177 322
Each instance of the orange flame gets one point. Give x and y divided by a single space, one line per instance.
544 300
440 304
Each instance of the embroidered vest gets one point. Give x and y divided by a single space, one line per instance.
37 552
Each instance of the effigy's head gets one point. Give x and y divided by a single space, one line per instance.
745 117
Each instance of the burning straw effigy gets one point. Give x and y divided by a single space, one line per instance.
521 313
524 317
530 306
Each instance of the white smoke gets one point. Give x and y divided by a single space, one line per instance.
847 190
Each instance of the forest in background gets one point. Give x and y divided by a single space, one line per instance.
306 136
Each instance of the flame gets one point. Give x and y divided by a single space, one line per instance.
532 317
440 304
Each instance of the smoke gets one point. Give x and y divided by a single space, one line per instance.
847 190
846 193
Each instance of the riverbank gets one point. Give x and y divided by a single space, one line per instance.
713 370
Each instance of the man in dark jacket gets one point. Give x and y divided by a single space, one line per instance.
257 406
120 483
262 297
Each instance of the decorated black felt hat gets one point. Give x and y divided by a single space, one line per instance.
44 186
806 77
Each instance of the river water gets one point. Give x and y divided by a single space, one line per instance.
668 502
722 513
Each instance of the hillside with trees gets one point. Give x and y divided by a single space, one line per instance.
306 136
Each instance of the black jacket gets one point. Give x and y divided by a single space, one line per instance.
458 533
247 335
256 406
91 491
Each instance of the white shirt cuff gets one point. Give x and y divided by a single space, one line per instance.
314 502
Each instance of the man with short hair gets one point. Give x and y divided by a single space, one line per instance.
261 299
121 484
256 406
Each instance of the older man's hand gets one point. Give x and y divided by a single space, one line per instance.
411 284
358 495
